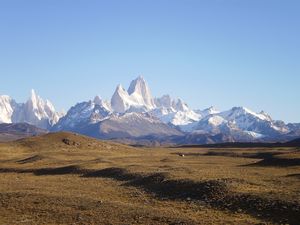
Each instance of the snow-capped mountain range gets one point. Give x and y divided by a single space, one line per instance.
135 113
35 111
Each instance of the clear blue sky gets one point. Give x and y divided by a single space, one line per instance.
207 52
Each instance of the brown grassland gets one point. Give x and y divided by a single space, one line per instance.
64 178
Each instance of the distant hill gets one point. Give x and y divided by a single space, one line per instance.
14 131
293 143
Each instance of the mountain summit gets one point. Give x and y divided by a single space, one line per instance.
141 91
137 98
38 112
7 106
34 111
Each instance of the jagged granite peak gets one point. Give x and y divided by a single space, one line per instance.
175 112
174 104
164 101
139 88
35 111
181 106
98 100
34 98
120 100
138 96
137 85
104 103
7 106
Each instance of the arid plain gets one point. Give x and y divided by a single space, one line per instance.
63 178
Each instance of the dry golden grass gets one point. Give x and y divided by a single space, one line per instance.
64 178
